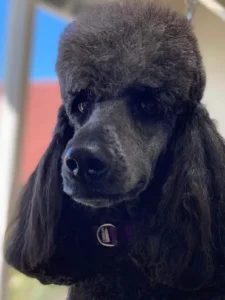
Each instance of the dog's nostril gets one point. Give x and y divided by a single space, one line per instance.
72 164
141 184
95 166
86 164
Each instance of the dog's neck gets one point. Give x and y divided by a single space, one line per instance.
113 226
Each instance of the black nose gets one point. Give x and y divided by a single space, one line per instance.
86 162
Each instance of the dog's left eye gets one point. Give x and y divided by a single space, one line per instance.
83 107
148 107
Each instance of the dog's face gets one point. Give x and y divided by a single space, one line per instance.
122 82
112 155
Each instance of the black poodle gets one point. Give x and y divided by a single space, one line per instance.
128 201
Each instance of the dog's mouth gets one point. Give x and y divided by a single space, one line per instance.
98 199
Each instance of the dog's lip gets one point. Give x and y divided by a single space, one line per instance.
99 199
98 202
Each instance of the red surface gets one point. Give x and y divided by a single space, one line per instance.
43 103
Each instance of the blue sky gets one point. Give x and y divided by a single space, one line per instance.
47 30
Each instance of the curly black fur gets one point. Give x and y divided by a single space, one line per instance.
116 57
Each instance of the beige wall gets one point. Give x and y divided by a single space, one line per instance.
210 31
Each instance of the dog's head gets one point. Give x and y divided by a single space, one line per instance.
124 82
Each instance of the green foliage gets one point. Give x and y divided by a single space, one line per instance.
24 288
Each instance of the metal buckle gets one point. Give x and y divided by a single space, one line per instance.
191 8
105 235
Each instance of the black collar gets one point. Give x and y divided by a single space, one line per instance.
110 235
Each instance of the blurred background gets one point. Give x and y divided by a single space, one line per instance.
37 91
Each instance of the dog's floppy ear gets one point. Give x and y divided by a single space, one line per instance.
193 200
30 236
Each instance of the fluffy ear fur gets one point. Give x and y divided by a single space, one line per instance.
187 232
38 238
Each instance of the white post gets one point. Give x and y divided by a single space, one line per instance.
217 7
12 114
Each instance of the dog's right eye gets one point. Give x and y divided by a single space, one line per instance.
80 103
80 109
83 107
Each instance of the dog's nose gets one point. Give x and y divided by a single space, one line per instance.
86 162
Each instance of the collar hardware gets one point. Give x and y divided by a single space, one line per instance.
107 235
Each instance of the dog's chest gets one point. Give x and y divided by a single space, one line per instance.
108 289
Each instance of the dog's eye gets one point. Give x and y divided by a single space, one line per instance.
83 107
148 107
81 103
144 101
